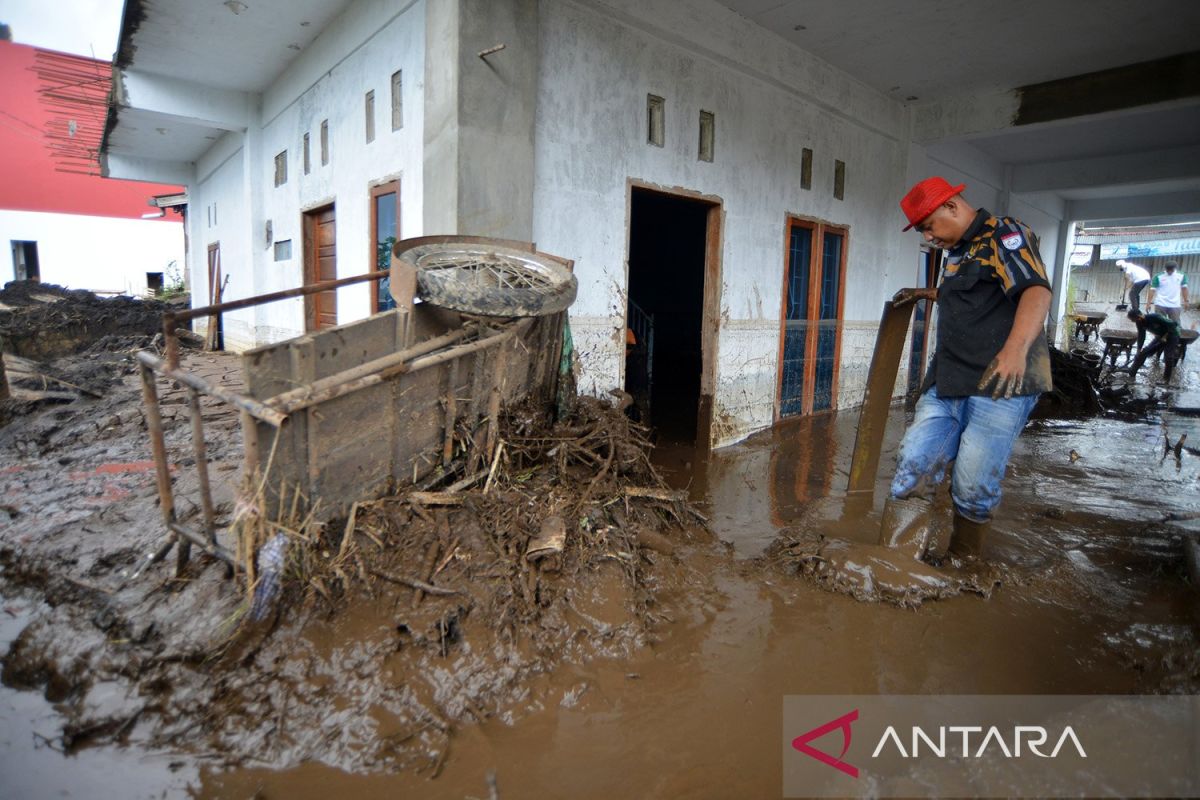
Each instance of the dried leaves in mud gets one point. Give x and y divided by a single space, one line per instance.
873 573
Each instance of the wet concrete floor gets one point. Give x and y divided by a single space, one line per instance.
1095 600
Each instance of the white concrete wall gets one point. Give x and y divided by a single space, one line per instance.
217 213
985 177
358 52
598 62
100 254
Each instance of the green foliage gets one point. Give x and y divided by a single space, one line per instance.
383 253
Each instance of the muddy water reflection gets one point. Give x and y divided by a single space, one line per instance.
1096 602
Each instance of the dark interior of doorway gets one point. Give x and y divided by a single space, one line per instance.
667 242
25 261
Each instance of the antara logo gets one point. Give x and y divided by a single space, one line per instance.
1032 736
940 745
801 743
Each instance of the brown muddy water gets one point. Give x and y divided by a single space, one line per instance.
1093 598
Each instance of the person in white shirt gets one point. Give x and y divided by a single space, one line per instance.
1137 278
1169 291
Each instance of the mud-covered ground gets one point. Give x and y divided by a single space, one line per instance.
650 661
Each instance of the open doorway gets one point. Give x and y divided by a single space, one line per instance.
25 261
674 254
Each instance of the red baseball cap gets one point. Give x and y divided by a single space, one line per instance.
924 198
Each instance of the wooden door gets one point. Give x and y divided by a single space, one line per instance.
216 288
811 329
320 264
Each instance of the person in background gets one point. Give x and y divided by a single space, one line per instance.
1169 291
1137 278
1166 341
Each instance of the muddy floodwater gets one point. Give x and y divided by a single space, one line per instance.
1092 597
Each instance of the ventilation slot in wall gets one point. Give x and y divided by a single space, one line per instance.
369 110
839 180
806 168
397 100
656 122
707 132
281 168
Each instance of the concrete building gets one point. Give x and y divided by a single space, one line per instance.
725 172
60 222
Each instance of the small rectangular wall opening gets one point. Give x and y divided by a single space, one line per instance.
154 282
324 142
397 100
281 168
839 180
806 168
707 134
656 112
369 111
283 250
307 155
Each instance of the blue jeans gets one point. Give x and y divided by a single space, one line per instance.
976 433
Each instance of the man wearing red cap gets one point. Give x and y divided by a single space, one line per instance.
990 365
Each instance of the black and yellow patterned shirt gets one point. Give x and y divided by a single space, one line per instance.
985 273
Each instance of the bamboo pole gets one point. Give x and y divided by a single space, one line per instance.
172 318
451 412
246 404
201 451
158 445
359 377
336 386
200 540
498 368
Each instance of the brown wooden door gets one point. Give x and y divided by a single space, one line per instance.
216 288
320 264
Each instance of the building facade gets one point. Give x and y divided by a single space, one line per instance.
725 195
60 222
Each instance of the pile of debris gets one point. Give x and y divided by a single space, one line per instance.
559 500
1083 387
42 321
379 634
61 345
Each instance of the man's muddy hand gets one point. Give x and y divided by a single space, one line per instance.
1007 372
906 296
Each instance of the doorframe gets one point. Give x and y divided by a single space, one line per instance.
710 311
819 227
375 189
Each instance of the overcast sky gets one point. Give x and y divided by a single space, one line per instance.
85 27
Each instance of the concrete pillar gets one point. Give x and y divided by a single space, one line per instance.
1060 278
479 117
254 217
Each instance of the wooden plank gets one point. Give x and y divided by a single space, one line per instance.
881 381
338 349
300 470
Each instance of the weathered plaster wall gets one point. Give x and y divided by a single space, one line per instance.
357 53
217 215
100 254
598 62
479 140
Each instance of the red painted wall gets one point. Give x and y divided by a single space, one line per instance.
29 179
